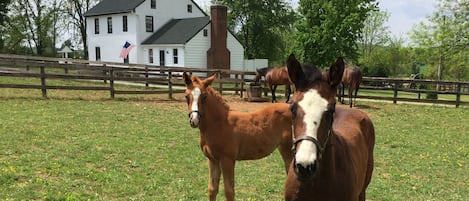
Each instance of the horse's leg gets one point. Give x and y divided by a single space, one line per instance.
350 91
355 96
272 90
214 179
227 168
342 94
339 93
288 92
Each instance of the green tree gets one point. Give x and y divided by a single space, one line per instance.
330 28
374 33
76 9
33 24
3 20
445 39
263 27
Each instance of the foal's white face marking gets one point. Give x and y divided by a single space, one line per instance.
195 107
313 106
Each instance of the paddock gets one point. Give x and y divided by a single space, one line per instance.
81 145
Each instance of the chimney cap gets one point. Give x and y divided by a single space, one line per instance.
217 3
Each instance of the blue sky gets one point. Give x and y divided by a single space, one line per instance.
403 13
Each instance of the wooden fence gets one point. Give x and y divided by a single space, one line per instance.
168 80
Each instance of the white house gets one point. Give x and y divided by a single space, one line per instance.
163 33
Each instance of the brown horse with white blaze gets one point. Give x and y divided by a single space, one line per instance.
227 136
333 146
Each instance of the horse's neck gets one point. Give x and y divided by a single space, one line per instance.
215 110
328 164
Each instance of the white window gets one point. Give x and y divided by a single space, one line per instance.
150 56
175 56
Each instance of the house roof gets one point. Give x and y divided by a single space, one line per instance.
106 7
65 49
113 6
178 31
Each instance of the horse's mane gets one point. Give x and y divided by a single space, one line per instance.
262 71
218 96
311 72
212 91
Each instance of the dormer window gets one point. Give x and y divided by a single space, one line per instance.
153 4
189 8
149 23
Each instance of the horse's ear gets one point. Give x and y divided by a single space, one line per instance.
336 71
295 72
187 79
208 81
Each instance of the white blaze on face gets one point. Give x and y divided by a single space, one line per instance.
194 105
313 106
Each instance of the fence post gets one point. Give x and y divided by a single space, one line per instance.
43 81
170 85
111 82
242 84
396 88
458 95
146 76
236 84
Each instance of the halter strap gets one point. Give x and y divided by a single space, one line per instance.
194 111
314 140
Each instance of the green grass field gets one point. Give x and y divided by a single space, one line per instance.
80 145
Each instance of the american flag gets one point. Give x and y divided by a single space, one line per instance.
126 49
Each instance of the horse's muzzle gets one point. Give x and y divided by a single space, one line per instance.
305 173
194 119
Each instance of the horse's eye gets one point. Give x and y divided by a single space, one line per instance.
293 108
188 99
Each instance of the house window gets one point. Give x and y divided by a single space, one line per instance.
109 25
189 8
149 23
96 25
98 53
150 56
153 4
175 56
125 27
205 32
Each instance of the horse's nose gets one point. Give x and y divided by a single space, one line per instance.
194 120
305 172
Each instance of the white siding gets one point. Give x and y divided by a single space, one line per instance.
193 54
236 52
111 43
196 50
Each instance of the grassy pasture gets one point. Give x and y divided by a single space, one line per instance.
82 146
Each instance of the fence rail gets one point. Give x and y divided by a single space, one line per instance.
168 80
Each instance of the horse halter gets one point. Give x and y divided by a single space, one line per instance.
203 100
320 147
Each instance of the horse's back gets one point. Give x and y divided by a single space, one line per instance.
352 76
277 76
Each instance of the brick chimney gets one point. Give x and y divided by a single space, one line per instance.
218 56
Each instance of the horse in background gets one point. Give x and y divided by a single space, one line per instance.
227 136
333 145
351 79
273 78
